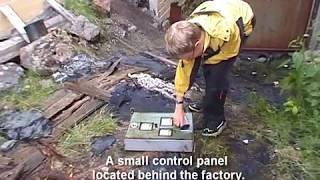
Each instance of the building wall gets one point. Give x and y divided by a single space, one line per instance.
161 8
315 39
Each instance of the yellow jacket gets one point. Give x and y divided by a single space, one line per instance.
218 19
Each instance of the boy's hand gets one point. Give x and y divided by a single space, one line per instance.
179 115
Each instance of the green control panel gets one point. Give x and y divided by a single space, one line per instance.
158 130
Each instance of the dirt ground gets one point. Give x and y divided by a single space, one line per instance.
243 141
254 159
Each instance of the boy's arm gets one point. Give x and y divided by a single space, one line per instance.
185 76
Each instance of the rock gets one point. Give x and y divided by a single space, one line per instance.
108 21
10 76
2 140
57 165
100 144
245 141
144 9
7 146
46 83
85 29
254 73
24 125
132 28
103 6
155 25
45 55
262 59
165 24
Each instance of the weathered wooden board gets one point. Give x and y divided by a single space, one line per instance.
98 87
26 10
60 94
61 104
76 117
28 164
68 112
15 20
68 108
10 48
88 89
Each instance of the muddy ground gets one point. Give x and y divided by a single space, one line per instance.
243 141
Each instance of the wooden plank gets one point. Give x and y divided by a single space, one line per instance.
60 94
106 83
61 105
27 11
165 60
15 21
65 13
80 114
88 89
97 87
26 168
68 112
10 48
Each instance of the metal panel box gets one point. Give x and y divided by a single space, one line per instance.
156 132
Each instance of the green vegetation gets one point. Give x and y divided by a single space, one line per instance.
83 7
77 140
35 90
295 126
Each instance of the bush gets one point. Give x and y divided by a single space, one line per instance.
296 124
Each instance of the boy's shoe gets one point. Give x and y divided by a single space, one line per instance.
214 132
195 107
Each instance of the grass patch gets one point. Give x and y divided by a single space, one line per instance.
77 140
295 126
35 90
297 143
83 7
212 147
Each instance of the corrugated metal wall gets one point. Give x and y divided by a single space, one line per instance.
279 22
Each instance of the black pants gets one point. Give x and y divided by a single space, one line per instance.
217 85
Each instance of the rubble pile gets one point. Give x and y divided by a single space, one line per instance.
45 55
79 66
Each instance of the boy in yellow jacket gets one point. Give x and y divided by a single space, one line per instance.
211 37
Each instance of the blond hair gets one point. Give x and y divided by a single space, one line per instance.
181 37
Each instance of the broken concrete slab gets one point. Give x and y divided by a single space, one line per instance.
10 76
82 27
45 55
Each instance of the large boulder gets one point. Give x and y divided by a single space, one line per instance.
10 76
45 55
